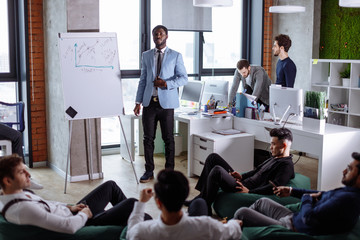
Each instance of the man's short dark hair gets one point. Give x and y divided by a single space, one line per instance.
171 188
283 41
158 27
7 167
243 63
356 156
282 134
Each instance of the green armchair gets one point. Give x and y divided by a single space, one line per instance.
226 204
20 232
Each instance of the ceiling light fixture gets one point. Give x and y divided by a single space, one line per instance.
212 3
349 3
286 9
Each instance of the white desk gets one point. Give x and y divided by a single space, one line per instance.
188 124
333 147
199 124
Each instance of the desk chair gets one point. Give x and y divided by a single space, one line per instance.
7 151
12 114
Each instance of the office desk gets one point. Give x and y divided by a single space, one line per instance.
188 125
333 147
193 124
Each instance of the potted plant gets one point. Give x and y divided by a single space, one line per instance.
314 111
345 75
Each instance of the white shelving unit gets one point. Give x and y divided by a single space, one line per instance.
325 76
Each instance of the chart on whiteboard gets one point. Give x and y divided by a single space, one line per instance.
90 72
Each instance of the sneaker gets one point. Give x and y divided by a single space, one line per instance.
35 185
147 177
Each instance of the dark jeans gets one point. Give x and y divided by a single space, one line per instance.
198 207
151 115
215 175
100 197
8 133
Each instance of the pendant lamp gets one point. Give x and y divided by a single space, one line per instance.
212 3
349 3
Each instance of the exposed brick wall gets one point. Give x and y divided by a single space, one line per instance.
268 38
37 80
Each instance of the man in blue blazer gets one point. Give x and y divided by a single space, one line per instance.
162 72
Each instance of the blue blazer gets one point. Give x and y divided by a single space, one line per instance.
172 71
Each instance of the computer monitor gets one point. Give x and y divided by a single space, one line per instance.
191 93
285 102
217 88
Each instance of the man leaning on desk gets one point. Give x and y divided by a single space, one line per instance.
254 80
279 169
162 72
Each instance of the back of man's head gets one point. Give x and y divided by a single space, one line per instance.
8 165
243 63
282 134
283 41
171 188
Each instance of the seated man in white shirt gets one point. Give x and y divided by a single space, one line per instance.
25 208
171 190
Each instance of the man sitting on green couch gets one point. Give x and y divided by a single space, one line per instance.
321 213
217 173
25 208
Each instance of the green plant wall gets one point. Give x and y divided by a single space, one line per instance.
339 31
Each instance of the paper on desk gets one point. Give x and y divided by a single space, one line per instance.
227 131
250 97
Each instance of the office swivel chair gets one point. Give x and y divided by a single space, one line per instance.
12 115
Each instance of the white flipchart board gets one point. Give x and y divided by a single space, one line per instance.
90 73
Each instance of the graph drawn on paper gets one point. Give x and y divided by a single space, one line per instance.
90 72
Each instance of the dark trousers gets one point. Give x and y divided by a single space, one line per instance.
150 117
198 207
100 197
215 175
8 133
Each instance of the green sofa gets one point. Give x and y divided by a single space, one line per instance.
276 232
226 204
21 232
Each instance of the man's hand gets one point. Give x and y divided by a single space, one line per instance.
137 109
316 196
241 188
158 82
282 191
76 208
240 222
236 175
87 211
146 194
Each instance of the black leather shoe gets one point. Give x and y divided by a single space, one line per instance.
147 177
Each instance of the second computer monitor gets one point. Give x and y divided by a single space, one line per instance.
191 94
286 101
219 89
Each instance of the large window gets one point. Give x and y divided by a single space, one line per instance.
221 47
4 38
8 80
123 17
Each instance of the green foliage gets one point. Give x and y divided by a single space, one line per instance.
316 100
346 72
339 31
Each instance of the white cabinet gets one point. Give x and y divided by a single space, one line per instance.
237 150
325 76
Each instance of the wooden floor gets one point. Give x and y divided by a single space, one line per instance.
117 169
